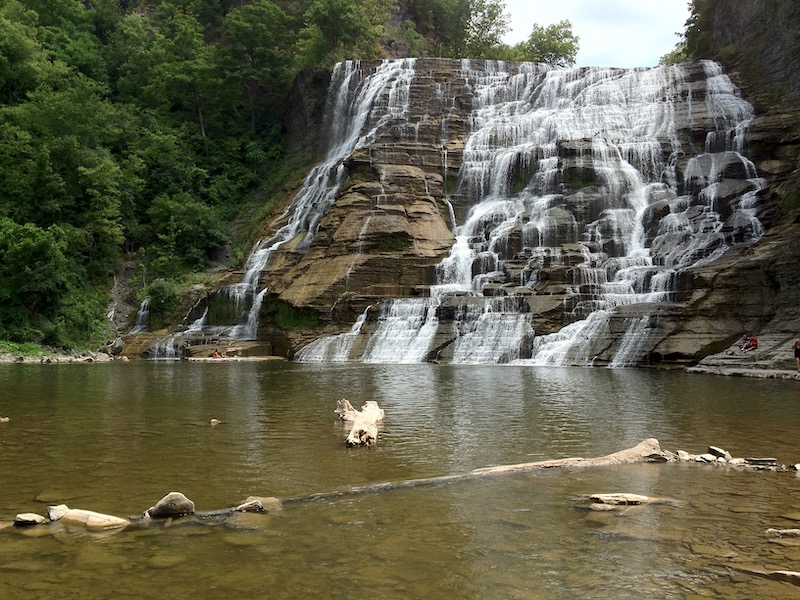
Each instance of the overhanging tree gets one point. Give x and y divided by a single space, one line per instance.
554 45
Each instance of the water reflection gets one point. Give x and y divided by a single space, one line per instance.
115 438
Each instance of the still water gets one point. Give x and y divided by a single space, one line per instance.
115 438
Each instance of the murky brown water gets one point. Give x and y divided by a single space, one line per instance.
115 438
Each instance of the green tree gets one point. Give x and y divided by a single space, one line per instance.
22 57
554 45
487 24
33 277
188 232
254 55
694 40
185 80
338 29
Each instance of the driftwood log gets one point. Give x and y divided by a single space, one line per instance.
645 451
364 423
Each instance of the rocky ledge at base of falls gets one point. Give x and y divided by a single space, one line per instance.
471 211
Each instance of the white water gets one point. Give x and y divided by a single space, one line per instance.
360 103
591 161
142 323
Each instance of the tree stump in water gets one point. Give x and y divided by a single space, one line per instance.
364 429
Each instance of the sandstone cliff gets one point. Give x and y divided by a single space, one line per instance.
389 227
632 195
757 289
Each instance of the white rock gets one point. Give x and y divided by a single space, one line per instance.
716 451
783 532
92 520
26 519
55 512
619 499
269 503
683 455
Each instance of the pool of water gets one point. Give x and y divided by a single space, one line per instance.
117 437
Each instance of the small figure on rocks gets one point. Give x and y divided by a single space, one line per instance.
750 344
796 351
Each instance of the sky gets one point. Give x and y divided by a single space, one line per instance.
613 33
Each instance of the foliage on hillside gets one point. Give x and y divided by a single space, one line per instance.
694 40
150 127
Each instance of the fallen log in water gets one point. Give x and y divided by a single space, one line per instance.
648 450
175 505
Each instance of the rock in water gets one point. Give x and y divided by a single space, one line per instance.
174 504
28 519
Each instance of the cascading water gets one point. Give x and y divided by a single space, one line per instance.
360 103
591 190
142 323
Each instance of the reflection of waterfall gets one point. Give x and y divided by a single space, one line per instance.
589 195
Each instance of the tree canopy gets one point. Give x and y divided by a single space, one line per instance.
148 127
555 45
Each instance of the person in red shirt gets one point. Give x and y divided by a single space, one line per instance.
750 344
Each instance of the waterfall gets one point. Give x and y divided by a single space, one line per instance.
356 113
171 347
142 323
583 186
335 348
361 101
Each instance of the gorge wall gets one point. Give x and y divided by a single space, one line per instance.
472 211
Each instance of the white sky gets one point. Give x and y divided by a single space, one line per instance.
613 33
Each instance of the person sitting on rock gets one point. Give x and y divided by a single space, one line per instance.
750 344
745 339
796 350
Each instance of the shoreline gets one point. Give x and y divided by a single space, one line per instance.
757 372
771 360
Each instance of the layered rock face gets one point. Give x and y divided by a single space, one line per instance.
583 200
483 212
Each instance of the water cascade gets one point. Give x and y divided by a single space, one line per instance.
142 322
586 193
360 102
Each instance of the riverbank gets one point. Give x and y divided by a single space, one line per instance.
771 360
59 358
